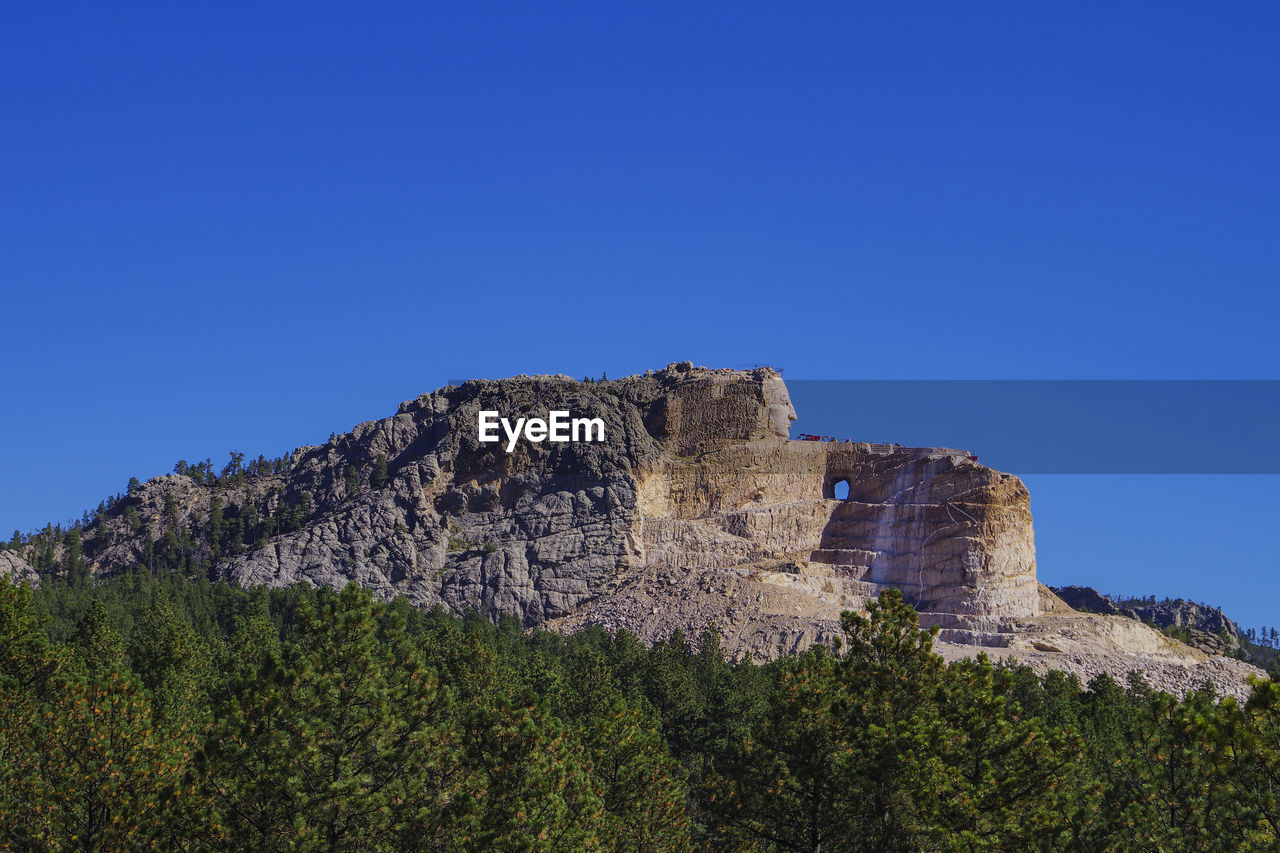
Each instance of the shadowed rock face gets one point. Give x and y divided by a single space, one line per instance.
695 511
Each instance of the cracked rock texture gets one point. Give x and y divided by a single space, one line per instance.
16 568
696 510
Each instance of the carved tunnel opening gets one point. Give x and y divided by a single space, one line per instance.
840 489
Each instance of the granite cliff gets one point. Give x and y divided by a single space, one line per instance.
696 510
13 566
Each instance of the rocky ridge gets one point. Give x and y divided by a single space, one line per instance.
1199 625
696 510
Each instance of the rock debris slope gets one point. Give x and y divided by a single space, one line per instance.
695 511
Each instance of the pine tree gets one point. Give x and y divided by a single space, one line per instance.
336 744
86 765
27 659
214 529
171 660
1171 791
638 782
1008 773
234 469
850 753
77 566
1252 736
527 783
96 771
99 646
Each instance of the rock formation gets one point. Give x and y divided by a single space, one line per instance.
696 510
14 567
1199 625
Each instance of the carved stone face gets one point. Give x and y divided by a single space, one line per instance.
780 411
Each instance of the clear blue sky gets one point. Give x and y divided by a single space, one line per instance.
249 225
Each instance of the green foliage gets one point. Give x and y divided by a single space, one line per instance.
215 527
852 753
326 745
91 769
379 477
27 659
157 711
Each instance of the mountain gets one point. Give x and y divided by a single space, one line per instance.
694 509
1207 628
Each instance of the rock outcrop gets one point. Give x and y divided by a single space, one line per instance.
696 510
1086 599
14 567
1199 625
